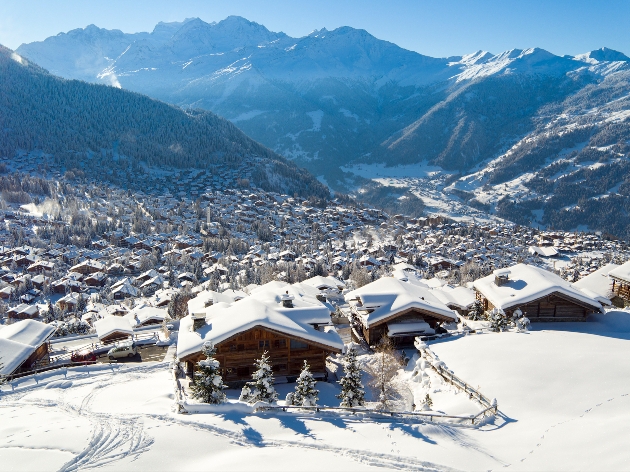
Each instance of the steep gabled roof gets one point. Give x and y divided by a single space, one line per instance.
621 273
388 296
224 321
19 340
528 283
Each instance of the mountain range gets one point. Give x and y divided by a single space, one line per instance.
505 134
110 134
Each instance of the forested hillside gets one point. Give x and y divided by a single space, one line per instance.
93 127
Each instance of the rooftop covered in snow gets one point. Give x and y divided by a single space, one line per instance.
526 283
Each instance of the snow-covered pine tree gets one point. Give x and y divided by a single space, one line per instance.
305 392
260 389
352 392
498 321
476 312
207 383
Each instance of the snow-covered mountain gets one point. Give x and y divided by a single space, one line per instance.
343 98
126 138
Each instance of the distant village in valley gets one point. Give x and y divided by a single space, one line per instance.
298 278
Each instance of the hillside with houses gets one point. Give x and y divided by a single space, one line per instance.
176 296
243 303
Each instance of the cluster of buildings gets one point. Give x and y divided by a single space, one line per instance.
267 271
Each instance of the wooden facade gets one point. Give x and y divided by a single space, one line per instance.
115 337
621 288
287 355
552 307
376 331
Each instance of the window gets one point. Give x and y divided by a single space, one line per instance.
240 347
295 344
280 343
242 371
279 367
263 344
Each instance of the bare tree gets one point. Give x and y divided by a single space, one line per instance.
382 369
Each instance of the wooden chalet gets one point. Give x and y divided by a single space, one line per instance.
113 328
620 281
24 346
397 309
541 295
243 331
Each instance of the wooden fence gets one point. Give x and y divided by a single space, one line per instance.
450 377
432 416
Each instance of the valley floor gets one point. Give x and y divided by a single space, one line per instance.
562 390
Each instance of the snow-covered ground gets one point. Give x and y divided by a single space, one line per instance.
562 390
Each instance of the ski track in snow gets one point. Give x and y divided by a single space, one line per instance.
115 437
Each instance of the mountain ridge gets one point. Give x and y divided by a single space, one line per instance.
73 120
334 101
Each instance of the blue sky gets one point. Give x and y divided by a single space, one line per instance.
436 28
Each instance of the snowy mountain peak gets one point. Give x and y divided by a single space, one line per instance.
602 55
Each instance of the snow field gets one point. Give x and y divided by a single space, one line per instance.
562 389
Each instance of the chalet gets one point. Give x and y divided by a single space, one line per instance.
40 267
460 299
541 295
400 310
599 285
97 279
71 301
543 251
6 292
23 311
620 278
325 283
123 290
285 325
152 285
146 315
113 328
88 267
24 346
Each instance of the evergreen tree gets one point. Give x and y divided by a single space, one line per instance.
260 389
498 321
305 392
476 312
207 383
352 393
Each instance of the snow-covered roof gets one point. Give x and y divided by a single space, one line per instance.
415 327
31 332
19 340
527 283
224 321
597 284
388 296
306 307
321 282
143 314
460 297
622 272
543 251
112 324
205 299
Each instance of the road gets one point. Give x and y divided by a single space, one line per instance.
146 353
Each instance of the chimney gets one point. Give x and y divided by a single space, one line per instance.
287 300
501 277
199 320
